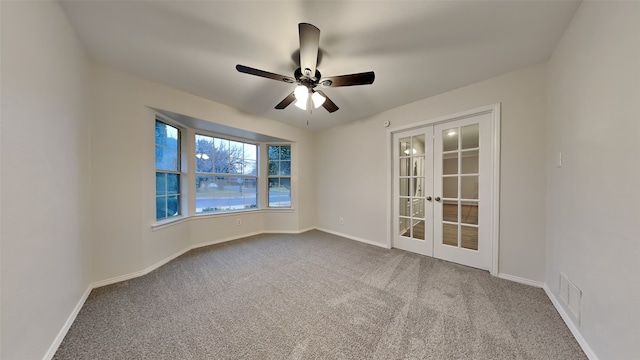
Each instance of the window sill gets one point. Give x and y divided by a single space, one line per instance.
169 222
179 220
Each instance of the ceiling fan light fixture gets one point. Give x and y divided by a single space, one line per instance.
318 99
301 93
300 104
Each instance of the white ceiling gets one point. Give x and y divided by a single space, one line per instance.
416 48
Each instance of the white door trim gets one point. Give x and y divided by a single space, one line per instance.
494 111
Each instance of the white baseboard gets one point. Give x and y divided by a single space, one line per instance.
136 274
288 231
220 241
67 325
354 238
521 280
570 324
96 284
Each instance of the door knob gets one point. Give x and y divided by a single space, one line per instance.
428 198
437 198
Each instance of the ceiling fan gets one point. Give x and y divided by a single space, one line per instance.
308 77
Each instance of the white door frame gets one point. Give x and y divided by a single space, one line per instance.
494 208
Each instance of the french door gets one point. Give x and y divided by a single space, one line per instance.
442 190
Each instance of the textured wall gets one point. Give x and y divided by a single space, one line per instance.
353 173
45 176
593 203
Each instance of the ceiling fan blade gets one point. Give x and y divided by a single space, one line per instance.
328 104
265 74
364 78
309 44
286 101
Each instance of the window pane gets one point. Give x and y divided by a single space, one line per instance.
274 152
166 159
159 157
161 183
205 186
273 167
172 137
285 183
279 192
285 168
221 156
173 205
249 167
173 184
204 154
249 193
221 145
250 152
161 133
161 207
285 152
225 193
236 150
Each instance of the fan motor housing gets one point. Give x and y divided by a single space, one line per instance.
305 80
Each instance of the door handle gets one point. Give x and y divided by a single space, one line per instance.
437 198
428 198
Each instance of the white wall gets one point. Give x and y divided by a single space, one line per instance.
352 167
45 177
593 201
123 185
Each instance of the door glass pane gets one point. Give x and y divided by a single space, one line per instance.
469 237
418 229
469 187
404 207
405 230
450 139
404 186
450 164
405 146
450 187
470 162
418 208
450 211
419 187
418 166
450 234
405 167
470 136
418 145
469 212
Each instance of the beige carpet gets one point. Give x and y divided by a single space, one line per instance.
316 296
